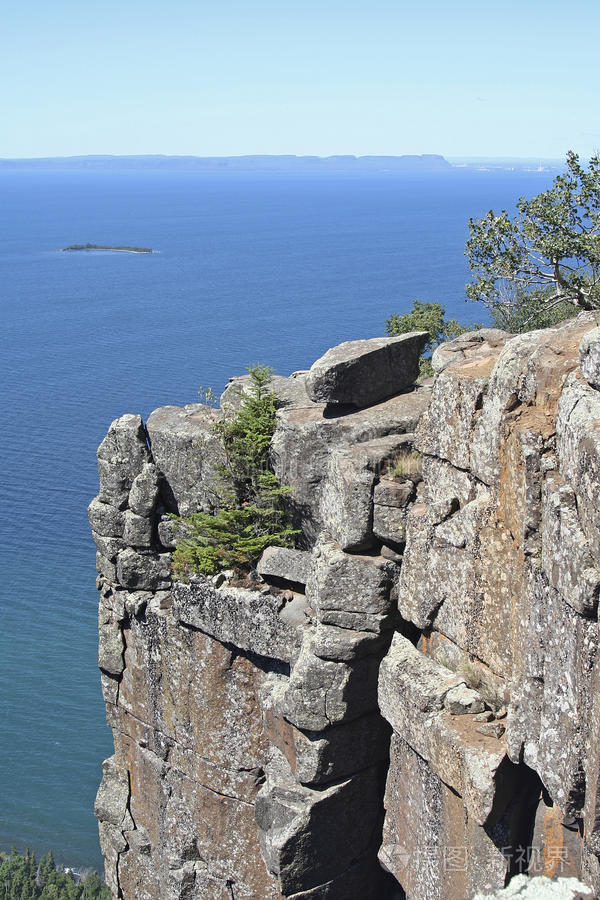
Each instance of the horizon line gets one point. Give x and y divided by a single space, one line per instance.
291 156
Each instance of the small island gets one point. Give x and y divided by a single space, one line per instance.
119 249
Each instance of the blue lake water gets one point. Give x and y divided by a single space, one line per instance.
267 268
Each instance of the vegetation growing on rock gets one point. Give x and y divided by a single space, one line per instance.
251 514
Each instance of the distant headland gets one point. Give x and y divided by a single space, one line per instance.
427 162
117 249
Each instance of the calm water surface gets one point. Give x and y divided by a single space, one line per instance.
264 268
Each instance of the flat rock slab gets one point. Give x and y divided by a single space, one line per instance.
360 373
289 565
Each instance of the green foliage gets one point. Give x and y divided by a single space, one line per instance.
429 317
252 514
548 255
247 436
23 878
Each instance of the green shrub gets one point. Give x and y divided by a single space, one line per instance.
251 513
429 317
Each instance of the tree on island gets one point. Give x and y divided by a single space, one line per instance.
543 264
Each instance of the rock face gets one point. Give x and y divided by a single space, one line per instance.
361 373
410 702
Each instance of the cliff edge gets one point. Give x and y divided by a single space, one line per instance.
407 704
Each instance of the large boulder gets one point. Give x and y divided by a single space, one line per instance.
360 373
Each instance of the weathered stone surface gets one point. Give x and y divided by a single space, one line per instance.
467 346
306 435
247 619
589 357
412 690
351 591
227 702
578 445
328 755
105 520
121 456
429 842
290 391
186 450
143 572
347 502
296 822
110 648
289 565
138 530
323 692
567 554
144 491
361 373
463 700
541 888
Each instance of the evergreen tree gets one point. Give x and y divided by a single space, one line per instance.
252 514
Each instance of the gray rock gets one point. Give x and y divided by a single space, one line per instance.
144 491
247 619
568 557
143 571
392 555
187 450
578 448
589 357
541 888
389 524
328 755
412 690
112 799
172 531
467 346
306 436
351 591
343 644
324 692
110 648
463 700
290 391
296 822
289 565
361 373
138 531
430 841
491 729
396 493
109 548
347 501
121 456
106 568
105 520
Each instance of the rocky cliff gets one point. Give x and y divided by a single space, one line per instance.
409 702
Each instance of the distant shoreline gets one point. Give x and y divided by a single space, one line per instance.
87 247
287 164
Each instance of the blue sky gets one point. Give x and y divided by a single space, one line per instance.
227 77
